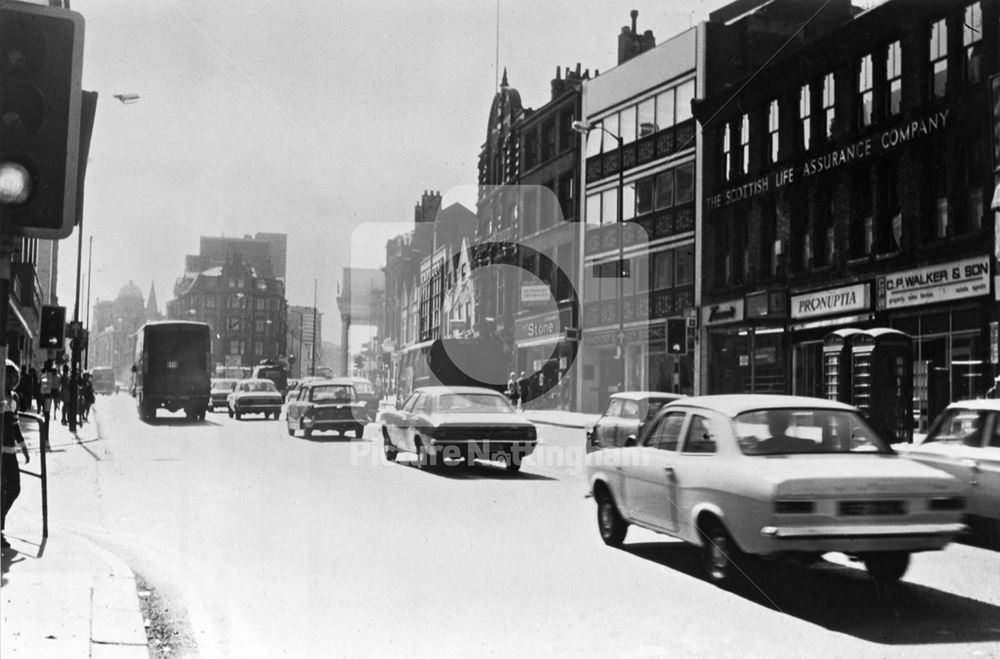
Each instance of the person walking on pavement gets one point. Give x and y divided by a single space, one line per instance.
513 390
64 387
86 396
12 441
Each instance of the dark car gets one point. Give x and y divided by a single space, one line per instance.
364 390
221 388
326 405
468 423
625 416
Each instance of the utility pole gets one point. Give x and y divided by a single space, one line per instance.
86 321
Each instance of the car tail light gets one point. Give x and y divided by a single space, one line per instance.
947 503
794 507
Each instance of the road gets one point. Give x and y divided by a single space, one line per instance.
280 546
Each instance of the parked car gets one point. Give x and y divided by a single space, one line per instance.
626 414
774 476
219 395
254 396
964 441
366 392
468 423
326 405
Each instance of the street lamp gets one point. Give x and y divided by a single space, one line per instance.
584 128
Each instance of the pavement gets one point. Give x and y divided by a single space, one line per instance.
63 595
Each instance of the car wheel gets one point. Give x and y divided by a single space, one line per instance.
230 411
720 555
423 459
237 414
307 432
513 464
390 450
610 523
887 566
291 431
359 431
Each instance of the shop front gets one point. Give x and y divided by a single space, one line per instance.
947 309
814 315
746 344
545 354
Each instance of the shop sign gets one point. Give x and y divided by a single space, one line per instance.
860 150
937 283
535 294
546 326
831 301
723 312
607 337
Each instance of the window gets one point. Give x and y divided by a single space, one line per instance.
609 206
939 59
593 210
685 265
234 347
627 124
727 152
684 184
594 137
685 94
210 302
768 262
611 123
805 117
893 79
972 35
773 131
549 139
865 90
646 117
665 109
663 270
829 105
667 433
700 438
664 190
258 349
644 195
745 144
862 236
630 409
234 323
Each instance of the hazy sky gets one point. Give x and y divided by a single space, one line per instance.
309 118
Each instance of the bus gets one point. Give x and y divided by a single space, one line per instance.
103 378
475 362
172 368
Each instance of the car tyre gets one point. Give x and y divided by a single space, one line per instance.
423 459
390 450
291 431
230 411
513 464
307 432
887 566
611 525
359 431
720 555
237 414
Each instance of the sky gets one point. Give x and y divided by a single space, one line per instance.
312 118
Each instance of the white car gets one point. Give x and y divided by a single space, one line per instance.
774 476
965 441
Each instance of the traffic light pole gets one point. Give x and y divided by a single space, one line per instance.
6 247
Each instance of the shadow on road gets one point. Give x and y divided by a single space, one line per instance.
329 438
459 471
177 421
846 600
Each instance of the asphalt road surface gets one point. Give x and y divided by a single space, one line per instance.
272 546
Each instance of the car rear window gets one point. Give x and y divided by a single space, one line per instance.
473 403
803 430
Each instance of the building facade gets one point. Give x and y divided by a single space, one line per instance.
639 178
305 333
849 187
113 329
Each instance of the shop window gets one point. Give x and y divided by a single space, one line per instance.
939 59
805 117
893 79
972 39
829 105
866 90
773 131
745 144
646 117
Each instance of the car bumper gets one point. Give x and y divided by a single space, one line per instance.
257 408
331 424
481 449
859 538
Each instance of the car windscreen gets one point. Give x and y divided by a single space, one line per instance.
223 385
471 403
802 430
958 426
331 392
363 387
258 386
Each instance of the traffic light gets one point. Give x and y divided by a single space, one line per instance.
52 329
676 336
41 57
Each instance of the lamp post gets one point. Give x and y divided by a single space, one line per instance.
584 128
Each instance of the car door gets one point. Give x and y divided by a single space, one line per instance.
400 429
693 479
607 425
649 473
987 469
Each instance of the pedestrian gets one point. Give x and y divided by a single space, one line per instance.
48 389
64 387
524 386
513 389
12 441
86 396
24 390
36 396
